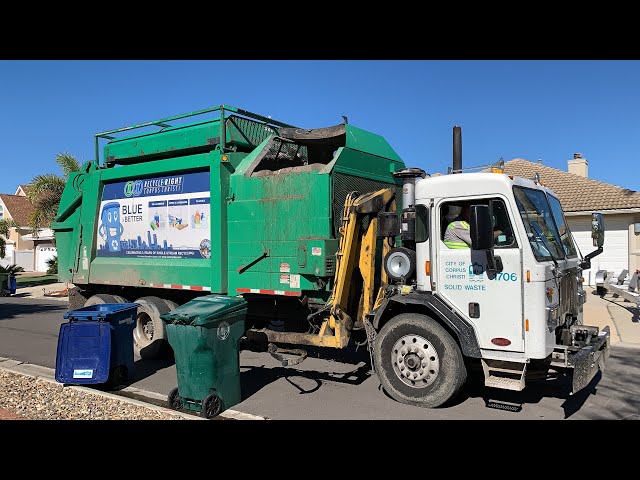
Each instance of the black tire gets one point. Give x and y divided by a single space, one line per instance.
601 291
211 406
149 335
441 383
100 298
119 376
404 252
174 399
170 303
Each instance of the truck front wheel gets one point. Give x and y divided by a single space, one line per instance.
149 337
418 362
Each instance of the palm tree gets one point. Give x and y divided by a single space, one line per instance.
45 192
5 231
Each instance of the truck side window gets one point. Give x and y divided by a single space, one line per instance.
504 237
422 223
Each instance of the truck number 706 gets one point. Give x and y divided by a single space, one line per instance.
507 277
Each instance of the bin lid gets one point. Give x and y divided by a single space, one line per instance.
101 310
202 310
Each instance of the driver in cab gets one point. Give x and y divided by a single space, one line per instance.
458 231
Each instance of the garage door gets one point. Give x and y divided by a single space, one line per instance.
44 253
615 256
24 258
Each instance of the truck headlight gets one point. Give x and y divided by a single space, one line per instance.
553 311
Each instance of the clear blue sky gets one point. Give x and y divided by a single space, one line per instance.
529 109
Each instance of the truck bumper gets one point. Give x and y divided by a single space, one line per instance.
586 361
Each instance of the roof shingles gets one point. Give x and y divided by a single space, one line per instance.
576 193
19 208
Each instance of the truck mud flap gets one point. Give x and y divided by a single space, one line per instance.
588 360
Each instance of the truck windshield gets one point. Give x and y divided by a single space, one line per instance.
563 228
539 223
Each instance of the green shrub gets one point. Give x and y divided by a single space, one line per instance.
52 266
11 269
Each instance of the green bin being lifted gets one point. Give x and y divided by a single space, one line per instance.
205 334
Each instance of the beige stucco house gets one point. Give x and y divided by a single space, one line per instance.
580 196
23 249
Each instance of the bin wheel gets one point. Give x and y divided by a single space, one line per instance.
174 399
211 406
120 375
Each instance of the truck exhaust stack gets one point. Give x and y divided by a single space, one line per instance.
457 149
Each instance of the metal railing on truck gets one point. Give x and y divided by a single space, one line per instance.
246 129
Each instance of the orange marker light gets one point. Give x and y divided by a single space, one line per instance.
526 324
427 267
528 276
224 158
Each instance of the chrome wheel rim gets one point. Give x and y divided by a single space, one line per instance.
415 361
144 329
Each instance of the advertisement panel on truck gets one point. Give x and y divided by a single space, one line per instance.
162 217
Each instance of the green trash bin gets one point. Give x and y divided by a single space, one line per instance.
4 284
205 335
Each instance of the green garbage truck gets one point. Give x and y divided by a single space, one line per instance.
220 201
331 241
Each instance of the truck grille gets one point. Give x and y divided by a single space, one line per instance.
567 286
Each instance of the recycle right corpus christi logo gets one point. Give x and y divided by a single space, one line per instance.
133 188
476 271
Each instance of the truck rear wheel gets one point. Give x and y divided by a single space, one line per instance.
417 361
149 336
170 303
101 298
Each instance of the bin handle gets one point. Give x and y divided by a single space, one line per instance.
276 352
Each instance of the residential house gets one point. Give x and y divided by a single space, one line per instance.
24 249
580 196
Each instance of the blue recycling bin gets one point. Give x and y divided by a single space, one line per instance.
96 345
8 284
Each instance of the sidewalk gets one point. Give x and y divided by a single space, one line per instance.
622 317
51 291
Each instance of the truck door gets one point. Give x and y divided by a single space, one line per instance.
492 302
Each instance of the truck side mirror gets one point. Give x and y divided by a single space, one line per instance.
597 229
481 227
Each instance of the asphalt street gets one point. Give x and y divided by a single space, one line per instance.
343 387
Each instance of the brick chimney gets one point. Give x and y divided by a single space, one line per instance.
579 165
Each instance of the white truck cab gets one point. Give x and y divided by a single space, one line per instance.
512 300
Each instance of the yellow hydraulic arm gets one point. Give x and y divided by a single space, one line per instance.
352 297
357 249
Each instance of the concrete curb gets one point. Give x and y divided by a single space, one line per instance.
48 374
